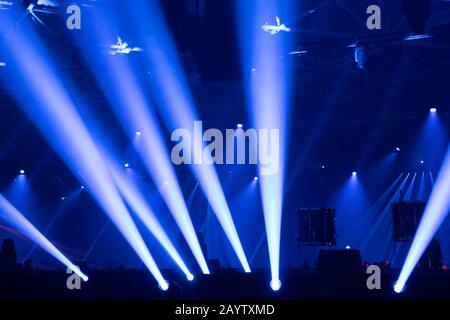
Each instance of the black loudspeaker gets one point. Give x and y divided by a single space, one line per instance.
405 219
316 227
344 262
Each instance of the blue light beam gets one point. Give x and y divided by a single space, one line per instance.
436 211
10 214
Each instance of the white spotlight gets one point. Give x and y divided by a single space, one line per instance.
164 286
398 288
190 277
255 178
138 133
433 110
239 125
347 247
354 173
126 165
22 172
275 284
397 149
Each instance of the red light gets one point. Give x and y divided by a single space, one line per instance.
444 267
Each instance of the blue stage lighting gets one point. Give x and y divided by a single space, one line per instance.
22 172
52 110
433 110
126 165
133 108
16 219
239 125
171 91
269 86
255 178
354 173
138 133
435 212
397 149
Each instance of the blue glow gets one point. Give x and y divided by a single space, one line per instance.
52 111
17 220
133 109
437 209
22 172
139 205
177 109
354 173
433 110
266 87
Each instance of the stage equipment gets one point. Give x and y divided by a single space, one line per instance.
406 217
316 226
340 262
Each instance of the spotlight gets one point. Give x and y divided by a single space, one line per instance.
422 162
433 110
398 288
164 286
255 178
275 284
354 173
83 187
239 125
323 167
347 247
138 133
397 149
126 165
22 172
63 198
190 277
2 64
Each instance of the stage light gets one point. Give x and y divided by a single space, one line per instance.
347 247
354 173
190 277
63 198
397 149
138 133
398 288
140 206
50 107
164 286
240 125
255 178
2 64
269 86
82 187
22 172
126 165
170 89
436 211
422 162
323 167
275 284
17 220
133 108
433 110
